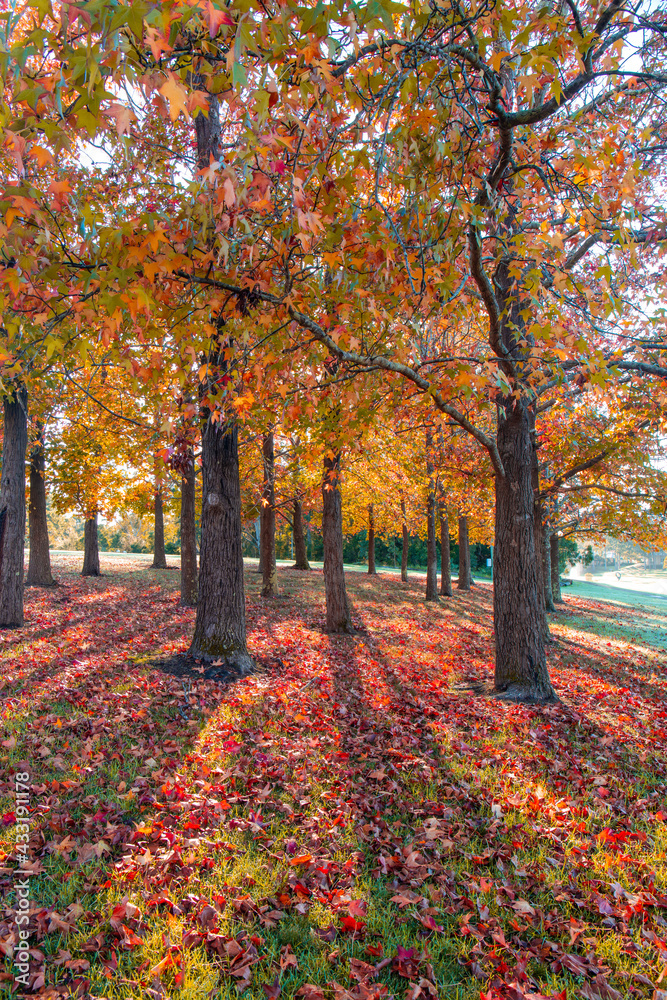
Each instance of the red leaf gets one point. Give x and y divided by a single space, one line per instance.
352 925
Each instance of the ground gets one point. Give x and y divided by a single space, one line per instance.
352 821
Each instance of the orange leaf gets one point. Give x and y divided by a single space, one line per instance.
175 94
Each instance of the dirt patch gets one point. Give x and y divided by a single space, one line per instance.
183 665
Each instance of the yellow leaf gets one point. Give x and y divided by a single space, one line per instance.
175 94
496 58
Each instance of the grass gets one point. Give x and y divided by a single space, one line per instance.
351 821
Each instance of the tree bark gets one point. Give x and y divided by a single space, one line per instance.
554 545
159 555
521 672
538 528
546 568
371 541
465 576
338 613
260 565
300 551
39 564
188 536
91 550
268 523
220 627
406 545
445 560
12 508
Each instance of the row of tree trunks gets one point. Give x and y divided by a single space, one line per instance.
299 536
39 563
371 541
39 569
220 626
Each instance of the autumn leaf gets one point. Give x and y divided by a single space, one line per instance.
217 17
176 96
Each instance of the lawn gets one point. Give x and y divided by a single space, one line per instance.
352 821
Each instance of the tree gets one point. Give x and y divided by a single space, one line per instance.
220 628
431 557
159 554
188 535
268 521
405 539
82 471
445 560
12 504
39 564
337 611
180 457
465 575
300 552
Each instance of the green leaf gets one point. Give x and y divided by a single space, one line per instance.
239 76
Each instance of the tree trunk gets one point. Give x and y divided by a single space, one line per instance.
521 672
91 551
159 555
260 568
431 548
465 576
268 526
546 568
220 628
12 508
406 545
554 545
445 560
371 541
300 552
188 536
338 613
39 564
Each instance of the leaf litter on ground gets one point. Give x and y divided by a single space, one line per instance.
352 821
